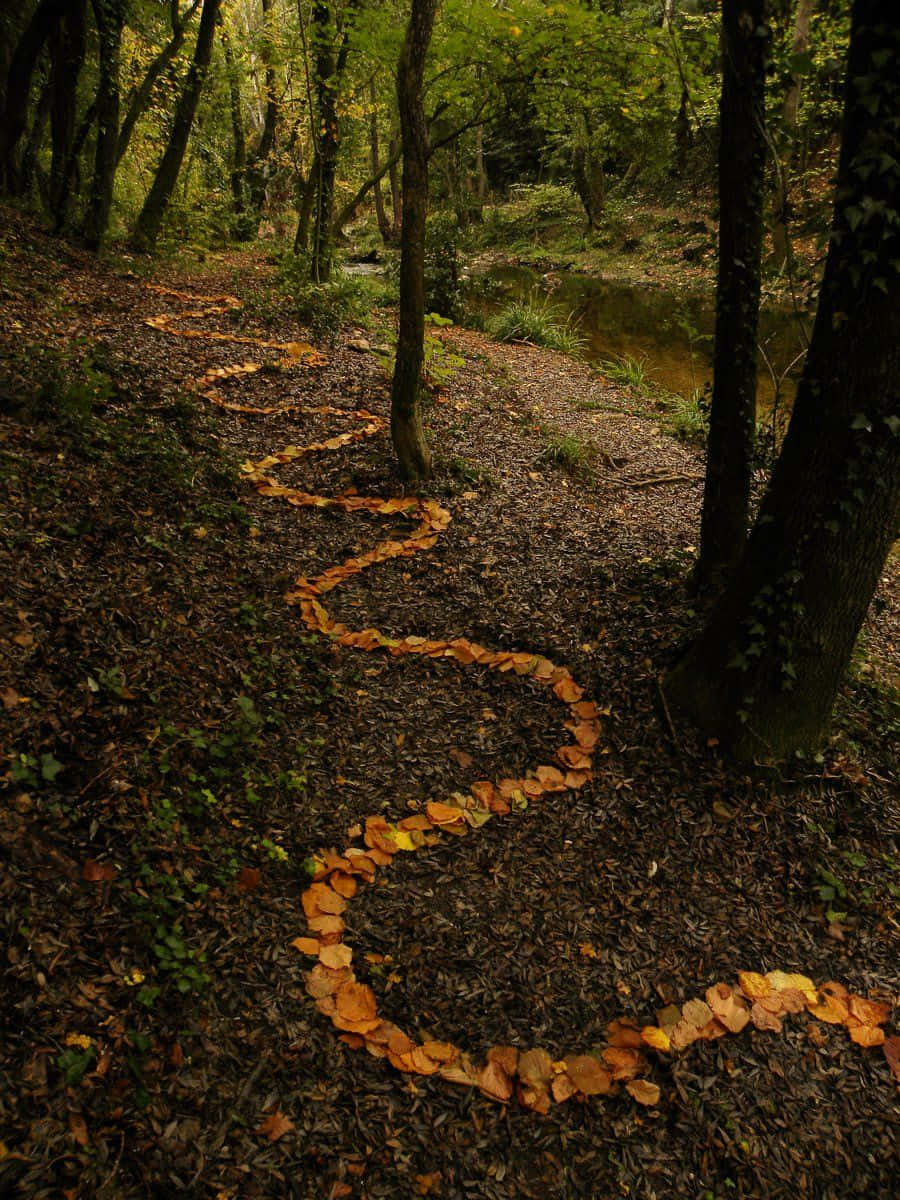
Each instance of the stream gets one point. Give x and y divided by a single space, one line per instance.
672 334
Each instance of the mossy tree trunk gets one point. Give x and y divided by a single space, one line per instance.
765 670
110 17
407 431
23 61
67 49
150 220
742 161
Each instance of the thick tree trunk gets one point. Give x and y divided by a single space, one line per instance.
789 113
742 159
139 100
18 85
67 55
150 221
109 15
380 215
764 672
407 432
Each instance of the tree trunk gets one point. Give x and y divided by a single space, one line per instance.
764 672
348 212
18 84
742 160
481 182
257 165
325 77
35 139
307 197
110 16
140 99
407 432
396 153
67 55
789 113
380 215
242 226
150 221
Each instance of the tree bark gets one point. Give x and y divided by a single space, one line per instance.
407 432
242 227
110 17
257 164
304 216
139 100
18 84
764 672
67 57
326 82
789 113
742 160
150 220
35 139
396 198
380 215
348 212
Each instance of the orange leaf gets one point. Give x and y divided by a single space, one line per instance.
78 1128
562 1088
319 898
535 1068
568 690
306 945
443 814
870 1012
830 1009
336 956
344 885
97 872
505 1056
754 985
494 1082
356 1001
441 1052
643 1091
327 924
588 1075
868 1035
276 1125
623 1063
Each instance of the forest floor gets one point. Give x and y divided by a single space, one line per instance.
179 746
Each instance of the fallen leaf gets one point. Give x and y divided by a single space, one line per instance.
78 1128
356 1001
335 956
588 1075
248 879
643 1091
306 945
276 1125
97 872
892 1054
494 1082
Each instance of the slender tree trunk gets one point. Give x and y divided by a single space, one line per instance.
110 16
73 175
764 672
481 182
325 76
307 198
407 431
742 159
67 53
18 84
380 215
789 114
140 99
242 226
348 212
396 153
150 221
257 166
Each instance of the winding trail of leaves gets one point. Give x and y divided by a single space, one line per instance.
532 1076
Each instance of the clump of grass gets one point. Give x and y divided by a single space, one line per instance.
627 371
688 417
537 322
568 452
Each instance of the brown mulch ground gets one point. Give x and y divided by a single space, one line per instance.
171 729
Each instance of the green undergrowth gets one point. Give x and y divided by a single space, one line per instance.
538 322
172 775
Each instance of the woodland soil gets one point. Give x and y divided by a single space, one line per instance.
178 746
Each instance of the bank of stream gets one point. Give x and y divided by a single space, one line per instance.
670 334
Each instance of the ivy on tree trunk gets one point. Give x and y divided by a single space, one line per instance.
742 161
764 672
